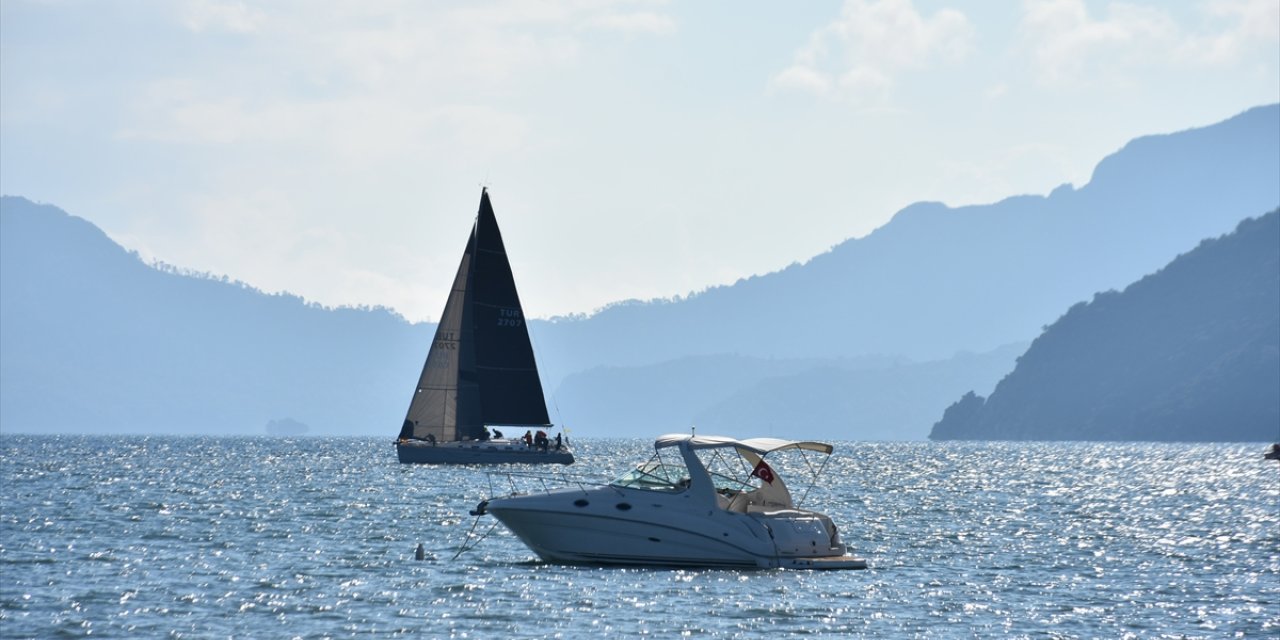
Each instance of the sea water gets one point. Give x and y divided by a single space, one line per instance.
132 537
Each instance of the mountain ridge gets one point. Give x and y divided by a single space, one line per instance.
1190 352
90 332
1101 235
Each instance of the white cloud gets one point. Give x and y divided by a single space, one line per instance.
310 113
642 22
211 15
1069 47
804 78
356 74
1250 24
871 44
354 129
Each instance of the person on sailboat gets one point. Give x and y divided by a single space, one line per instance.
540 439
528 438
559 442
497 435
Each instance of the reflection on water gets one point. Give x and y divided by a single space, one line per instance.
143 537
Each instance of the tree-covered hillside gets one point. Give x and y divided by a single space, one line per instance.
93 340
1189 353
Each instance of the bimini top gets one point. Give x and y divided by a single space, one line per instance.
760 446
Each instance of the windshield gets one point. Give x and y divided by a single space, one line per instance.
658 474
654 477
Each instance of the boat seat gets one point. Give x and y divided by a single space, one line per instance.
755 501
739 502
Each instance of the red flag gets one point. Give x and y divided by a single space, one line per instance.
763 472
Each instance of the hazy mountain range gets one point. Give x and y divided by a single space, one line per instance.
936 280
876 398
859 342
1191 352
92 339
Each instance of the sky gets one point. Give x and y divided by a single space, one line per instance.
632 149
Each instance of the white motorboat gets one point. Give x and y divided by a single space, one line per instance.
704 501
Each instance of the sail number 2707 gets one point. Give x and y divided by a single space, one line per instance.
509 318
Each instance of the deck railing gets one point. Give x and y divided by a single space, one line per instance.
517 483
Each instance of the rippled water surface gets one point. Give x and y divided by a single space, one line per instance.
131 537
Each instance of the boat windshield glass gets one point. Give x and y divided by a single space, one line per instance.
657 474
654 477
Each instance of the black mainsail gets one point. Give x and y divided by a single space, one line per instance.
480 369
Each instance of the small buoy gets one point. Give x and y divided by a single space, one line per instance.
421 553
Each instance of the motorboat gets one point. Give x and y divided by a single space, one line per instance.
702 501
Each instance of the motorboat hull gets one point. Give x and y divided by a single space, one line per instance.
477 452
623 527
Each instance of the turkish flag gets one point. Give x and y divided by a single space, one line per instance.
763 472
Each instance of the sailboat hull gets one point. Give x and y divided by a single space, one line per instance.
492 452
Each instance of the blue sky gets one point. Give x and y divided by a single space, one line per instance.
633 149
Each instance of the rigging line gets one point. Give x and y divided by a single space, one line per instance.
463 547
813 478
475 521
554 401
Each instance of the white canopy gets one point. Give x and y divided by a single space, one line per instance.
760 446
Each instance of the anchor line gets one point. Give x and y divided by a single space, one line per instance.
463 547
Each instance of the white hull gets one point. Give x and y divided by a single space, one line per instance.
631 527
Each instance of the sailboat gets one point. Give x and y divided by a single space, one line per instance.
480 376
